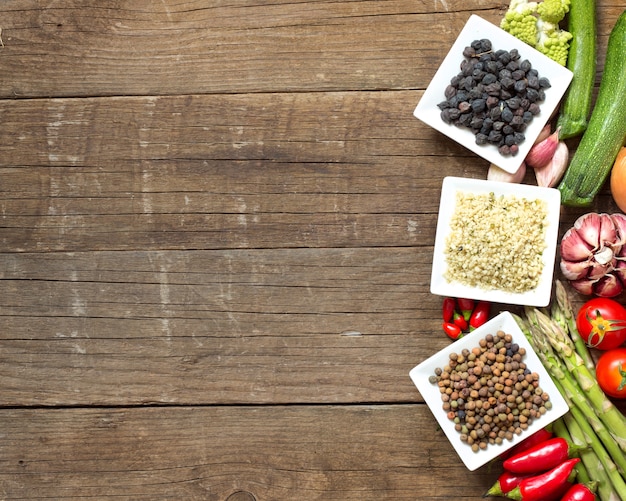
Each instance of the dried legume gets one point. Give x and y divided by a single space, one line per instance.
489 392
496 94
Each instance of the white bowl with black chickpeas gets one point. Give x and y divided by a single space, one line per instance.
510 91
488 391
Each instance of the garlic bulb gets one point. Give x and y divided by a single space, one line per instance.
593 254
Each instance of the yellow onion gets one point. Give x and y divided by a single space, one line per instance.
593 254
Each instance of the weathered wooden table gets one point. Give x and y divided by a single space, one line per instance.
216 229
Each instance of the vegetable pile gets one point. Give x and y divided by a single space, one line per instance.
605 134
602 127
582 455
461 316
594 428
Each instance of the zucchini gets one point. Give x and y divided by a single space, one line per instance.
581 61
600 143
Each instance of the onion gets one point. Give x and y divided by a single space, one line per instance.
496 173
593 254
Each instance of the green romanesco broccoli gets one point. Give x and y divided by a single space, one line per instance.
553 42
537 24
553 11
520 21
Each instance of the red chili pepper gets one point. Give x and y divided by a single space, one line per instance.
536 438
539 458
580 492
448 309
506 482
480 314
548 486
466 306
452 330
459 320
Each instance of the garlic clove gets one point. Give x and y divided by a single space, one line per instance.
545 132
542 152
604 256
608 232
495 173
588 229
598 269
620 270
575 270
574 247
619 220
584 286
621 252
551 173
608 286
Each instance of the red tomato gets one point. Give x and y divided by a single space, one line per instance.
611 372
601 322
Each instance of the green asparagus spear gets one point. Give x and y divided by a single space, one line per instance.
604 408
595 433
590 459
564 308
560 430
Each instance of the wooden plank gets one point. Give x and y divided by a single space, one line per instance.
210 453
84 48
358 128
215 327
207 172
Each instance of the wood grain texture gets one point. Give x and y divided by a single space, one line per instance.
216 231
214 172
274 326
149 47
198 453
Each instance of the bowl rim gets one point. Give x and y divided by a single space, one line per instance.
539 296
478 28
431 395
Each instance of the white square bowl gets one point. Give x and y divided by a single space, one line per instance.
478 28
540 295
430 392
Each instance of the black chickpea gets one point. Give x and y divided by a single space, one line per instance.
489 393
496 94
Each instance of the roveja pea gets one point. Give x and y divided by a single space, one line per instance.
489 393
496 85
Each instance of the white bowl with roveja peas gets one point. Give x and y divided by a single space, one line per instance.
488 391
493 94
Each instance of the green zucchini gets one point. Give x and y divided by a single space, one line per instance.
593 159
581 60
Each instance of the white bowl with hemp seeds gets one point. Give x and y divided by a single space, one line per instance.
485 417
496 241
